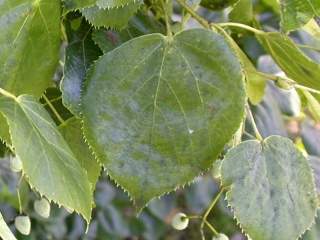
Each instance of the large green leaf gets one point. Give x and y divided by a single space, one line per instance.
72 133
116 17
80 53
296 13
291 59
29 44
164 110
29 47
48 162
272 190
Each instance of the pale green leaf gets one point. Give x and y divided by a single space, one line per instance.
313 105
4 130
49 164
296 13
164 110
272 190
29 44
72 133
79 4
113 3
291 59
117 17
5 232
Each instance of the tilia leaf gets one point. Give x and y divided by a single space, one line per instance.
117 17
272 190
49 164
5 232
296 13
164 110
29 47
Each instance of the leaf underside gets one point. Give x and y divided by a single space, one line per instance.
48 162
164 110
272 191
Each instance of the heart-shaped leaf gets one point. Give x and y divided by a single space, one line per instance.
164 109
272 190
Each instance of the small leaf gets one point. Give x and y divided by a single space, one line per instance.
296 13
164 111
291 59
117 17
242 12
49 164
5 232
313 105
272 190
72 133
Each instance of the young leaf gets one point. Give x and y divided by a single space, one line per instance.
72 133
291 59
117 17
272 190
313 105
80 53
48 162
296 13
164 110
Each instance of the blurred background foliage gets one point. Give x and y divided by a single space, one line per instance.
282 112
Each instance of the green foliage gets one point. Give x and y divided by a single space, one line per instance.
160 108
116 17
296 13
150 95
266 182
50 165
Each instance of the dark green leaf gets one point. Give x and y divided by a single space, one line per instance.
72 133
80 53
164 110
272 190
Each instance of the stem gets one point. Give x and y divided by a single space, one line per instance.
7 94
211 228
308 47
195 15
206 214
168 26
18 194
255 128
239 25
289 81
53 109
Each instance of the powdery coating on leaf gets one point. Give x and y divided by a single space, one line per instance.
296 13
164 109
49 164
117 17
272 188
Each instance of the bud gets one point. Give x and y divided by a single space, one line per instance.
42 207
23 224
180 221
15 164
